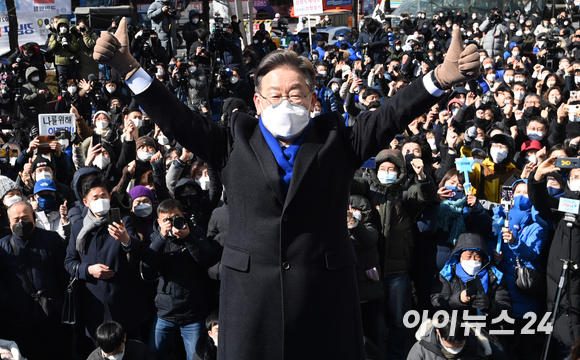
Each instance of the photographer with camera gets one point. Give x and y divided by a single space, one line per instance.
181 252
189 32
64 46
228 45
495 34
87 39
35 95
27 55
164 16
191 80
230 85
372 41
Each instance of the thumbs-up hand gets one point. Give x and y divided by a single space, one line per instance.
113 50
460 64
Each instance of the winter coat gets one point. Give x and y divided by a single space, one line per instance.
34 103
282 272
495 36
62 55
365 237
328 98
43 256
121 297
397 210
217 230
134 350
87 65
531 234
189 29
447 289
164 25
50 221
76 212
229 47
378 41
565 245
183 292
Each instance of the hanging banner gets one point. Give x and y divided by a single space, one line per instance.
38 6
305 7
31 28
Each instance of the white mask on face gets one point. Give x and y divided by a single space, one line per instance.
145 155
34 78
43 175
432 144
488 66
192 69
315 113
63 30
163 140
490 77
471 266
322 73
577 79
335 87
498 155
532 159
574 185
386 177
102 124
160 72
111 89
451 350
100 206
101 161
64 143
72 89
431 46
195 20
234 79
519 95
138 122
508 79
285 120
12 200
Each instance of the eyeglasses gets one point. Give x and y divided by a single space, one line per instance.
295 97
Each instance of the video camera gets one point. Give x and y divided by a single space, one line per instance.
181 75
219 27
225 75
172 10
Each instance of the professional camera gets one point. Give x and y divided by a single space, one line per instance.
64 41
171 7
181 75
225 75
178 222
219 28
495 18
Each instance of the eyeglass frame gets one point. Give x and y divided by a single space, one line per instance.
282 97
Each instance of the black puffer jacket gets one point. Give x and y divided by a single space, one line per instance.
182 293
447 289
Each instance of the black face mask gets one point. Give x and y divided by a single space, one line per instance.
409 158
114 109
532 111
23 229
188 200
374 105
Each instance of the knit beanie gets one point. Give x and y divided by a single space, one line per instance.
145 141
141 190
7 185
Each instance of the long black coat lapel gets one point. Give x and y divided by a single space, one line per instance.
268 163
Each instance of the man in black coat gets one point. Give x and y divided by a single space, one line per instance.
31 259
374 40
286 264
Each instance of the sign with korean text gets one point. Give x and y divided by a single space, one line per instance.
569 205
38 6
49 123
305 7
31 28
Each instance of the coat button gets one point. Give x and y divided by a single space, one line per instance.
285 265
285 217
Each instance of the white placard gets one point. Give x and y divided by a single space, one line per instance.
38 6
49 123
31 28
306 7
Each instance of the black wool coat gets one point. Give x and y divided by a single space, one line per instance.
288 264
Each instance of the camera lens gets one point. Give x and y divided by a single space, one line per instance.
179 223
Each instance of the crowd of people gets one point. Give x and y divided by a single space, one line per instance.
134 224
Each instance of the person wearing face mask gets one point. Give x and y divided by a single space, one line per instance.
113 344
103 157
471 261
65 46
385 189
87 39
326 95
97 251
197 203
564 244
144 211
70 98
229 47
495 35
286 142
51 210
164 21
334 84
103 127
374 39
31 259
35 95
10 193
522 243
189 29
181 252
196 84
488 177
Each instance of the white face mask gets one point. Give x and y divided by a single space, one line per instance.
432 144
574 185
515 53
192 69
163 140
323 73
102 124
34 78
550 83
532 159
63 30
111 89
12 200
481 58
64 143
234 79
335 87
160 72
100 206
479 161
397 48
386 177
519 95
451 350
138 122
204 182
43 175
471 266
285 120
490 77
195 20
508 79
145 155
315 113
143 210
498 155
431 46
577 79
101 161
488 66
535 135
72 89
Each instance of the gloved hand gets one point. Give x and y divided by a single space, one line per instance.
471 134
480 301
460 65
113 50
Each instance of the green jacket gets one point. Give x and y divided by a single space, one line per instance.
397 208
87 65
62 55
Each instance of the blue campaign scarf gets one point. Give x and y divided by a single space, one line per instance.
285 158
482 275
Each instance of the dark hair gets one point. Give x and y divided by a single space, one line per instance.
285 59
95 182
451 173
370 91
28 47
575 353
212 320
445 332
110 335
540 120
168 205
